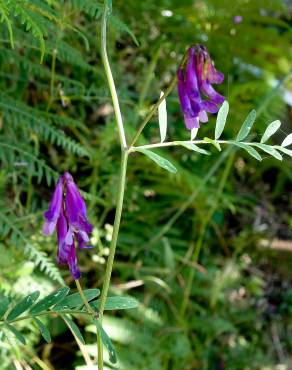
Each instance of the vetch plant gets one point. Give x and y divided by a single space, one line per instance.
195 78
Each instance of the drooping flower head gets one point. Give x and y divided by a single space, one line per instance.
196 93
67 213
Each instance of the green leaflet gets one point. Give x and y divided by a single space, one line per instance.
287 141
271 130
74 328
250 150
162 162
16 332
23 305
75 300
284 150
270 150
213 142
43 330
162 118
118 303
193 147
50 300
107 342
4 303
221 119
246 126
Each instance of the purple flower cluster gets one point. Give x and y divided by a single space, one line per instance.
195 80
67 213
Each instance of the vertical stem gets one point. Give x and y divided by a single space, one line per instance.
110 79
109 266
122 179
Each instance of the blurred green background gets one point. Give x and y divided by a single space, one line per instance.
231 310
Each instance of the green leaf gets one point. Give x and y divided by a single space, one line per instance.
75 300
43 330
162 162
193 147
4 303
162 118
107 342
50 300
247 125
284 150
117 303
287 141
251 151
270 150
74 328
16 332
194 132
221 119
23 305
271 130
213 142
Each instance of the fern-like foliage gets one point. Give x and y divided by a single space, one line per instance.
8 227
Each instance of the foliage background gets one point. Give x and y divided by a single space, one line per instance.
57 116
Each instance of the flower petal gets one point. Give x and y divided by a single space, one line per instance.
63 247
208 90
52 214
75 206
192 122
72 263
209 106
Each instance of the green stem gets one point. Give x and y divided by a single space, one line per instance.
27 317
110 79
86 304
110 261
122 180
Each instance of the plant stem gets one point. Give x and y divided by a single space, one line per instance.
121 190
86 304
121 184
110 79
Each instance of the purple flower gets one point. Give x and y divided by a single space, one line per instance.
195 81
237 19
67 213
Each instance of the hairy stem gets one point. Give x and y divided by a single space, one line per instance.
110 79
122 180
86 304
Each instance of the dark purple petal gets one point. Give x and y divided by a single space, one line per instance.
52 214
182 92
192 88
208 90
75 206
72 263
196 107
63 248
209 106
